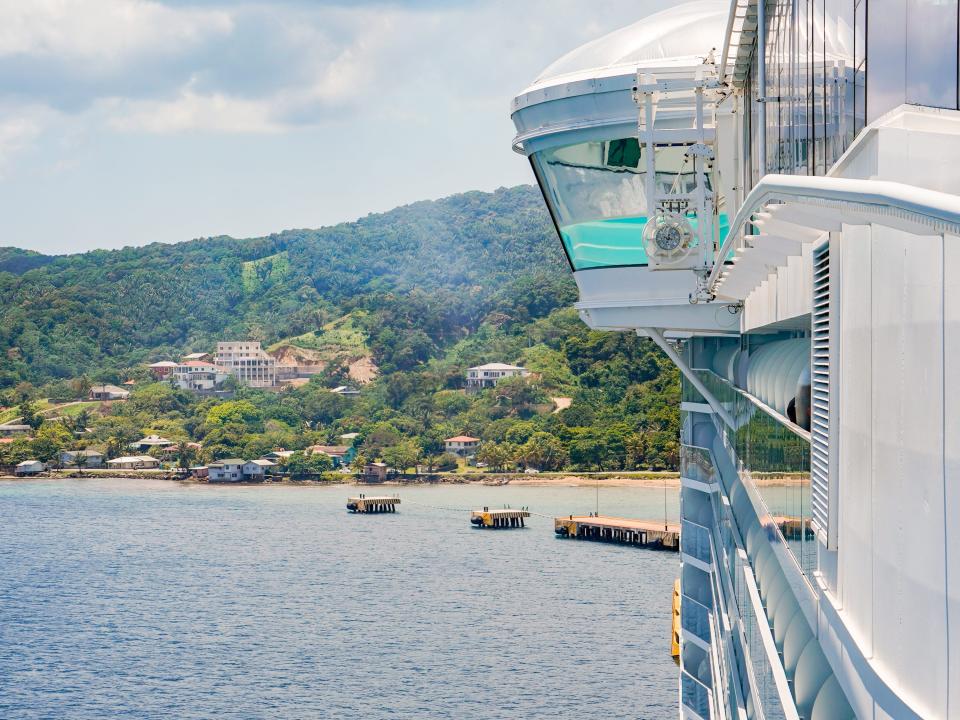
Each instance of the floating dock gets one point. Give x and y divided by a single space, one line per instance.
373 504
643 533
505 518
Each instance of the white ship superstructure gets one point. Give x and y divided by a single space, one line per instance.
771 193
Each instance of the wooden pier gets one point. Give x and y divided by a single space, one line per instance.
373 504
643 533
504 518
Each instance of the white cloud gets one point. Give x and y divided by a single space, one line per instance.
103 31
189 111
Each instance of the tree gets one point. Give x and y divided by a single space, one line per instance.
301 465
80 460
239 412
30 414
185 454
544 452
498 455
403 455
52 438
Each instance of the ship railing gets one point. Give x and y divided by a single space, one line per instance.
695 619
696 464
695 698
695 543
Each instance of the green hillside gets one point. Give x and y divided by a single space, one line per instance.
401 303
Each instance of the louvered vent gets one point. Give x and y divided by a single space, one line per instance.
820 490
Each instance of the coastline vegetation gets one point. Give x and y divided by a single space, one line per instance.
425 291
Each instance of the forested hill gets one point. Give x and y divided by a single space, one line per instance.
400 303
429 272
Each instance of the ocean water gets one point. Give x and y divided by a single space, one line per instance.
150 599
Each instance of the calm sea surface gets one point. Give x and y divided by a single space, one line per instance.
148 599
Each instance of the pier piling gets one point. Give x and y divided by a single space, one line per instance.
643 533
504 518
373 504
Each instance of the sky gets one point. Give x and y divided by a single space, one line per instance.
125 122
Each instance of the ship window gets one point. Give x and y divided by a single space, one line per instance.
597 195
623 153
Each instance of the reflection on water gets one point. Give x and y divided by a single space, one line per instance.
145 599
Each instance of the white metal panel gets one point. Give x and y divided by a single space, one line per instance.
907 410
951 447
853 432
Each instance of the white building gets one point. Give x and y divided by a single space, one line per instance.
151 441
770 192
199 376
462 445
30 467
228 470
484 376
108 392
14 430
257 469
134 462
91 458
248 363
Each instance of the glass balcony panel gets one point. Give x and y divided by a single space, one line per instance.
695 618
695 695
695 541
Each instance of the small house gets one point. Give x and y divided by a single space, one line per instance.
134 462
339 454
278 456
229 470
151 441
14 430
375 472
161 369
84 458
108 392
484 376
462 445
257 469
30 467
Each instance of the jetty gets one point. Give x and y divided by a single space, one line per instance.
626 531
505 518
373 504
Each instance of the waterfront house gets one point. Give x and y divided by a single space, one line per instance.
257 469
199 471
375 472
462 445
228 470
30 467
339 454
484 376
14 430
134 462
91 458
108 392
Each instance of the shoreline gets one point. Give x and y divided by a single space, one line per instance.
657 480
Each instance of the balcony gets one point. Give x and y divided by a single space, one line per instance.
695 619
695 543
694 697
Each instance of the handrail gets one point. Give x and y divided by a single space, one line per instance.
932 208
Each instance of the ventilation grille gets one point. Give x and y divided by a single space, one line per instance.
820 396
